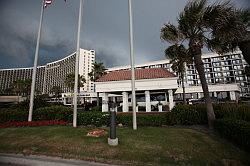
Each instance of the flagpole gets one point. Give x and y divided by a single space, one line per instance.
132 63
77 65
35 65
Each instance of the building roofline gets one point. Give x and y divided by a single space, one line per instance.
23 68
167 60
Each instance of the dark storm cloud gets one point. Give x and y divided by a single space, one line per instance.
104 29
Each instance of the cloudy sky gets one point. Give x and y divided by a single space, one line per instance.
104 29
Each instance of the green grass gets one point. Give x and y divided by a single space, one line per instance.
146 146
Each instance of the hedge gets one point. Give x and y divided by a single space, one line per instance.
237 131
180 115
144 119
188 115
46 113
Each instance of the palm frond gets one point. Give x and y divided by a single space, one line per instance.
191 18
227 26
171 33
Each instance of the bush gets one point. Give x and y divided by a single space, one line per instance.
197 114
188 115
232 111
52 113
13 115
45 113
237 131
96 109
92 118
143 119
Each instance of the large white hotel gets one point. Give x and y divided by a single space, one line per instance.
52 74
224 73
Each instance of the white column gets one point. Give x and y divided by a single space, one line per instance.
105 107
199 95
124 101
148 103
160 108
215 94
232 95
171 100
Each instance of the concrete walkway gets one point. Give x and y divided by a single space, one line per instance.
21 160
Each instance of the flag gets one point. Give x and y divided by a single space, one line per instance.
47 2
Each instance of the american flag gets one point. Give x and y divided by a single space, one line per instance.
47 2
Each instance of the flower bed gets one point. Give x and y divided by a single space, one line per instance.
33 123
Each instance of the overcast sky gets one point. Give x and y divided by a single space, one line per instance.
104 29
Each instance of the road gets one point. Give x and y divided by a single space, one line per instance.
21 160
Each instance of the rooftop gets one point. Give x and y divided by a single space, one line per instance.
151 73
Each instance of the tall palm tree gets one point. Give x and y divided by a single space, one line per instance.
218 26
26 87
179 56
97 71
18 87
70 82
56 90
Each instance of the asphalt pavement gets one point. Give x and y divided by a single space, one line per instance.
32 160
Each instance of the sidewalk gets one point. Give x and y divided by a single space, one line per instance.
32 160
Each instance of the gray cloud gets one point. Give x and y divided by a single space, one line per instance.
104 29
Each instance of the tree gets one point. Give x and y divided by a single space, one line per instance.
70 82
97 72
179 56
18 87
26 87
21 87
219 27
56 90
244 46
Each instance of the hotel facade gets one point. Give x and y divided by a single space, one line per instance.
224 73
52 74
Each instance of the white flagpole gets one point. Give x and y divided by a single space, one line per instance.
35 65
77 65
132 63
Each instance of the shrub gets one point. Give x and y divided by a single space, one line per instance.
197 114
96 109
13 115
56 112
45 113
92 118
232 111
143 119
237 131
188 115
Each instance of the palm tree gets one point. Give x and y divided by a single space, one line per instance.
70 82
18 87
97 71
26 87
179 56
244 46
218 26
56 90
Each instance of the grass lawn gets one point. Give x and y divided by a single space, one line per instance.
146 146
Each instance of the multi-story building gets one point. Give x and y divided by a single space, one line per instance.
219 70
53 74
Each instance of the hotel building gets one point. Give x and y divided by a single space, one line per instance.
224 73
53 74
